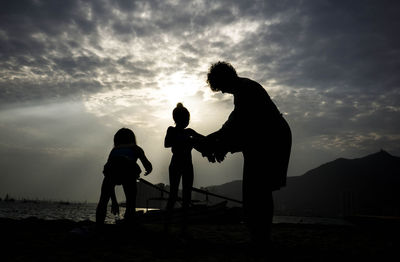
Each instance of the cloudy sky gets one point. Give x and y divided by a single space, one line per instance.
73 72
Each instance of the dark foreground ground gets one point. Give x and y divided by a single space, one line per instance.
63 240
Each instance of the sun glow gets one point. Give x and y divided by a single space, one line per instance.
127 105
178 87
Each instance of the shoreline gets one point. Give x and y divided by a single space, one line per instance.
65 240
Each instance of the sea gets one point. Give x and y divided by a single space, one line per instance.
53 210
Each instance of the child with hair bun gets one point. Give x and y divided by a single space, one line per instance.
181 140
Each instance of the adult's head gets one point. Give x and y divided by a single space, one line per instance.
222 77
124 136
181 115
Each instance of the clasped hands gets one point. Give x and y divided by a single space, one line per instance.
213 150
215 156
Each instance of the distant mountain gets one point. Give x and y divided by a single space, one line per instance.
369 185
231 190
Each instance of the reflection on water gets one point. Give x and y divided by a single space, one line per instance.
87 211
309 220
53 210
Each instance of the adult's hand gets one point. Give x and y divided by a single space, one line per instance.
220 156
211 158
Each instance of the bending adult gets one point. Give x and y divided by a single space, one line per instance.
258 130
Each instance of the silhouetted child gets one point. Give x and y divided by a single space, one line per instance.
181 140
122 169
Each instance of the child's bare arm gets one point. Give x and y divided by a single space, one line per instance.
169 138
146 163
198 140
194 135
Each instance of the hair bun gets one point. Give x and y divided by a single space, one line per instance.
179 105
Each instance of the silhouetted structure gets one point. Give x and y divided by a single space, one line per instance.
9 199
159 192
121 169
258 130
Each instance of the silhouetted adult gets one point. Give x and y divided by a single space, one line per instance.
258 130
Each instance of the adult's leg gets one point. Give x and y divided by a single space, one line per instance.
101 210
130 191
257 200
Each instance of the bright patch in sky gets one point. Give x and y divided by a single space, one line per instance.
239 30
178 86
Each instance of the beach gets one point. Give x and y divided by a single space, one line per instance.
34 239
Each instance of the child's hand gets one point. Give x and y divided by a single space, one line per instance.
115 208
220 156
210 157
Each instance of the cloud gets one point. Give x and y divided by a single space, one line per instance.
330 66
48 48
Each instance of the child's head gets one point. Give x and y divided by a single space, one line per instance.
181 115
124 136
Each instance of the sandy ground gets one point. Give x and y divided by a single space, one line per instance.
63 240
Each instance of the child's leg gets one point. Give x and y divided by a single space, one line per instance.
130 191
187 184
174 180
101 210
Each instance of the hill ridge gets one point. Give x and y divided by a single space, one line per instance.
366 185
